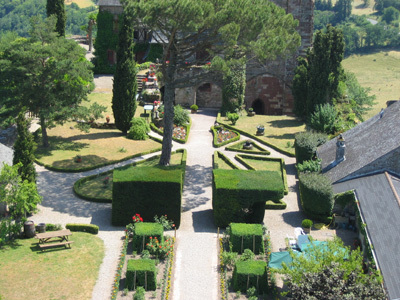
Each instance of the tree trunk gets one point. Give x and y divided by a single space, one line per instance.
90 33
169 96
45 138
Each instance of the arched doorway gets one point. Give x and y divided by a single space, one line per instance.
203 94
258 106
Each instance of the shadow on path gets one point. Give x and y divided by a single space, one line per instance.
197 180
203 221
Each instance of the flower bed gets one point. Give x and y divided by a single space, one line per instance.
179 134
223 136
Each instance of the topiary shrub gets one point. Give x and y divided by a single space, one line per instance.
143 232
306 144
306 223
246 236
233 117
139 129
83 228
181 116
250 273
275 204
194 107
146 274
316 195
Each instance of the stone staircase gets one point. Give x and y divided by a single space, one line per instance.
139 80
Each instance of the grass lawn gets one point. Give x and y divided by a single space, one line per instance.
58 273
379 71
264 165
279 130
359 9
81 3
104 99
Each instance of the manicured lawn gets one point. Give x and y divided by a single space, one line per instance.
379 71
264 165
104 99
279 130
58 273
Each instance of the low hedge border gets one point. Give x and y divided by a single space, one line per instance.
83 196
115 289
90 228
261 151
56 169
254 137
215 136
275 205
219 155
161 132
143 271
239 157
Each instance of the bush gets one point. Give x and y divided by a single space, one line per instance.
139 294
306 144
144 231
316 195
239 195
247 236
181 116
194 107
139 129
275 204
83 228
324 118
250 273
53 227
146 272
306 223
309 166
233 117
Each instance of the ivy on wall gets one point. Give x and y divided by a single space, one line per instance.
233 90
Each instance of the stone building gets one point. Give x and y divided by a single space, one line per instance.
268 87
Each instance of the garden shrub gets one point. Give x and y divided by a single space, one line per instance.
139 129
156 52
250 273
306 144
309 166
275 204
181 116
146 273
83 228
139 294
324 118
316 195
247 236
53 227
233 117
239 195
149 191
220 158
143 232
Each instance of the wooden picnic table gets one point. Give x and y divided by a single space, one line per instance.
54 239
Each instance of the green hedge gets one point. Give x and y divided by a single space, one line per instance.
148 191
277 159
306 143
146 274
247 236
275 205
239 195
161 132
220 156
143 232
83 228
316 195
238 147
215 139
345 198
251 273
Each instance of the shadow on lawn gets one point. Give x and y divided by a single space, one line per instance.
97 135
285 123
87 161
286 136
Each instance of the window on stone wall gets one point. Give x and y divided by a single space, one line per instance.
205 87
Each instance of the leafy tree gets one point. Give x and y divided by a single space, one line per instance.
24 149
324 118
48 75
257 28
20 195
234 86
57 8
300 87
125 85
375 35
390 14
343 10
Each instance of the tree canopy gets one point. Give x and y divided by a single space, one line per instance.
57 8
48 75
250 28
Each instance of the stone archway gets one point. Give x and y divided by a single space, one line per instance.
258 106
203 93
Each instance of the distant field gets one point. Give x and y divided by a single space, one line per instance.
359 9
81 3
379 71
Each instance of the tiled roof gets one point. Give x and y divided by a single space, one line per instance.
365 143
378 198
6 155
109 3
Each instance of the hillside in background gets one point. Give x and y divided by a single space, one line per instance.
15 15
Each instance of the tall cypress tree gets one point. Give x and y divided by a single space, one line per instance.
234 85
57 7
24 148
125 85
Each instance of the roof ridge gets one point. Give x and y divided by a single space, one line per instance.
392 187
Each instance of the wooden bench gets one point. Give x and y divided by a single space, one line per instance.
50 245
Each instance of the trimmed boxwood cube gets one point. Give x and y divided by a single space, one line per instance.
250 273
147 191
146 274
143 232
247 236
240 195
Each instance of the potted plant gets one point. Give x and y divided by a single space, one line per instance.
260 130
307 224
251 112
194 108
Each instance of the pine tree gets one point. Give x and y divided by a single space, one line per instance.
24 148
57 7
125 85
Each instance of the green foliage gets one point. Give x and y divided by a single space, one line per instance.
246 237
181 116
343 199
306 144
275 204
250 273
309 166
9 230
228 259
160 248
324 118
91 228
125 85
156 52
88 115
233 117
194 107
316 195
233 88
163 220
240 195
306 223
390 14
53 227
24 149
146 272
342 9
218 142
144 232
247 255
57 8
139 294
139 129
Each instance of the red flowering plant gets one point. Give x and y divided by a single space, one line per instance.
160 249
130 228
145 80
163 220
